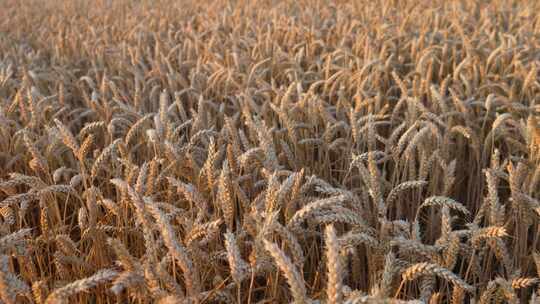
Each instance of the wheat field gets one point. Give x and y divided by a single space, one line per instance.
264 151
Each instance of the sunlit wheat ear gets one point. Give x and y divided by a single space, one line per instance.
524 282
399 189
102 158
85 147
292 243
91 128
225 196
491 232
451 253
167 141
420 269
39 290
441 201
458 295
38 160
140 185
67 137
416 247
127 261
237 265
136 129
334 287
295 280
61 295
352 238
309 209
176 250
67 245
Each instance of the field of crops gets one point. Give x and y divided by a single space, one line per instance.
264 151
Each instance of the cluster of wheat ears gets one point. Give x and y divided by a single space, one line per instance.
269 151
